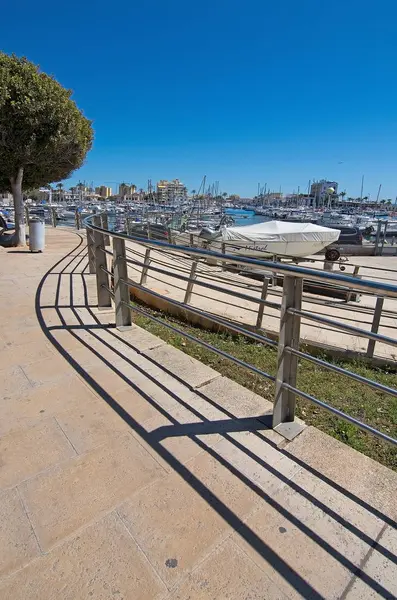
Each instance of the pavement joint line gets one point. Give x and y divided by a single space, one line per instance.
363 562
138 438
116 510
66 436
29 519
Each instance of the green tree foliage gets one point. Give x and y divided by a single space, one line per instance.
44 137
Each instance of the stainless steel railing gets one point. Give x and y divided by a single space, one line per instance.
112 266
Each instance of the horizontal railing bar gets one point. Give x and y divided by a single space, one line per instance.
106 271
203 273
106 251
301 272
341 414
206 285
200 342
109 290
357 330
332 367
218 320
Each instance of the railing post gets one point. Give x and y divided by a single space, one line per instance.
170 240
145 268
27 214
191 240
90 249
375 326
105 225
261 306
121 289
77 219
287 363
128 225
53 217
102 278
190 283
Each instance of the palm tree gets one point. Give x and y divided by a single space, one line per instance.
193 192
60 188
342 195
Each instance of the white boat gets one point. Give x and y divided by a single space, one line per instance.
280 238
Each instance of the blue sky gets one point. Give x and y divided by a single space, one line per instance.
242 92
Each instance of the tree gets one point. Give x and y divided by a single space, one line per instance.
44 137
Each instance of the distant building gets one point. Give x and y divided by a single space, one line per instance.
125 189
320 191
103 191
168 192
6 199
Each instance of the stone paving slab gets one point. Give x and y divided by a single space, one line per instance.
187 368
63 499
168 486
227 572
102 562
364 479
25 452
18 544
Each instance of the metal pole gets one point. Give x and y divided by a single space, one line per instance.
91 250
377 237
53 217
102 279
170 238
190 283
375 326
384 237
261 306
284 402
191 240
354 274
223 250
121 289
146 263
105 225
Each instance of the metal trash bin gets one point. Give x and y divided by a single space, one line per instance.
36 234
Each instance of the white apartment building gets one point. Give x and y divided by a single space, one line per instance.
169 192
319 190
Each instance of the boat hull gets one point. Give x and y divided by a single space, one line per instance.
257 249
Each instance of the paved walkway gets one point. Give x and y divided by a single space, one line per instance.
130 471
242 310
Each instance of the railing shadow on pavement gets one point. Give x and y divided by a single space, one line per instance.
223 427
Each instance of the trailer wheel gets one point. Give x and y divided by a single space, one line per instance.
332 254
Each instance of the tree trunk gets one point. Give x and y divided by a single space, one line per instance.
19 237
